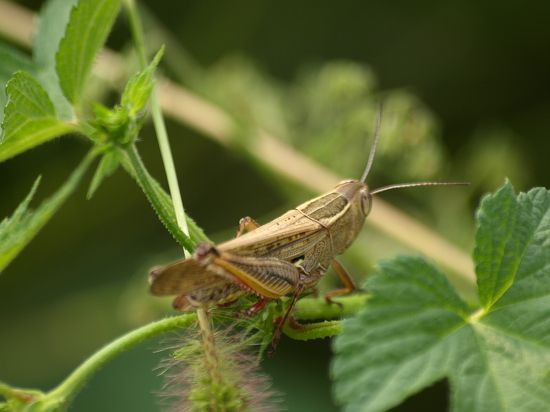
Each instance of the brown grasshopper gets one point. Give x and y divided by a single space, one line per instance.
285 256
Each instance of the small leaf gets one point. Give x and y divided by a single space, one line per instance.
18 230
52 22
89 25
139 87
12 61
107 166
415 331
113 125
29 117
50 28
8 227
121 124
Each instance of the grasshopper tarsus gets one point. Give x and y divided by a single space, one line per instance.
277 331
331 301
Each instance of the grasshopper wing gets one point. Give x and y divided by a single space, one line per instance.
182 277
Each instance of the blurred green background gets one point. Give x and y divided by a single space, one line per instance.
467 91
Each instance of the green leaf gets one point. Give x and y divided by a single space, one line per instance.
495 244
121 124
52 22
18 230
107 166
29 117
416 331
511 243
89 25
11 60
161 202
8 228
138 89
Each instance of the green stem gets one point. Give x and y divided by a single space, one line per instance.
170 170
318 308
169 167
137 31
76 380
22 395
318 330
158 121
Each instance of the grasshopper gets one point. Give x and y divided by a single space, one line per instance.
285 256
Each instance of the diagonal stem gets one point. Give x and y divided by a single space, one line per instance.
170 169
158 121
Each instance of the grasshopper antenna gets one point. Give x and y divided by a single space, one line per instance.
374 143
417 184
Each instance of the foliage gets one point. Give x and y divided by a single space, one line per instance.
413 329
51 25
89 24
12 60
29 117
18 230
324 103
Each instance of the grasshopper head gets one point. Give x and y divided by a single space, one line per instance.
356 205
357 194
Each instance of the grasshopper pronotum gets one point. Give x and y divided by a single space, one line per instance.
285 256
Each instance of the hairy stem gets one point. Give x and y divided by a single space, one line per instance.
209 345
76 380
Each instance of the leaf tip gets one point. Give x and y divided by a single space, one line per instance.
158 56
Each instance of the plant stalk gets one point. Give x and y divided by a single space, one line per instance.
170 170
158 121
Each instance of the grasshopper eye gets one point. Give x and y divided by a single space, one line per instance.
366 201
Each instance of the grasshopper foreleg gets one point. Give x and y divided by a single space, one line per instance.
347 280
